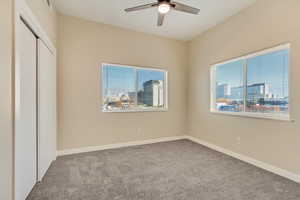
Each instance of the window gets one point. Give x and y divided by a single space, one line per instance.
128 89
229 87
256 85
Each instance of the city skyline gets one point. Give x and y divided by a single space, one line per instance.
271 69
226 91
123 79
128 88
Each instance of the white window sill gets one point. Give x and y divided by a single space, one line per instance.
256 115
135 110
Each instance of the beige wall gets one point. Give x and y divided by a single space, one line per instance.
265 24
83 46
47 17
6 100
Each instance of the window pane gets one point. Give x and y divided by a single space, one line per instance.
229 87
267 83
151 89
119 88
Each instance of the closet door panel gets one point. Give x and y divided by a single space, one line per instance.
47 108
26 115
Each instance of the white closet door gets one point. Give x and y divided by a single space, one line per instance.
26 115
46 108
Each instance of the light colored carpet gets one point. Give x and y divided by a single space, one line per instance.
179 170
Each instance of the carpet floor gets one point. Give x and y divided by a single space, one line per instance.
179 170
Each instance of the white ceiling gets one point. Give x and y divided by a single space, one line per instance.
177 24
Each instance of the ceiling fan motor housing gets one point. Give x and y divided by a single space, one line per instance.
162 1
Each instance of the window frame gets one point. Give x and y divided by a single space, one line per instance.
245 58
136 68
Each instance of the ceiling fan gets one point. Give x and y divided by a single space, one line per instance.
164 6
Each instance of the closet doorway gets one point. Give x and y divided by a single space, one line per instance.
35 109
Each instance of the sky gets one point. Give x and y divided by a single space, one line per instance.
146 75
270 68
124 78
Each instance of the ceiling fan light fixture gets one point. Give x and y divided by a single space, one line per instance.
164 8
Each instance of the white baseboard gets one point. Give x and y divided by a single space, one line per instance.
118 145
281 172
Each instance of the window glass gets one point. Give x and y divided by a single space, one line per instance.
229 87
254 85
150 89
119 88
267 83
133 88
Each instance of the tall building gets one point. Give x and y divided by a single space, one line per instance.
153 93
258 91
223 91
140 97
255 92
237 93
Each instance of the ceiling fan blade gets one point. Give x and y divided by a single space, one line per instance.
161 18
185 8
142 7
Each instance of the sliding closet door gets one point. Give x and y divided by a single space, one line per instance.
26 114
46 108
